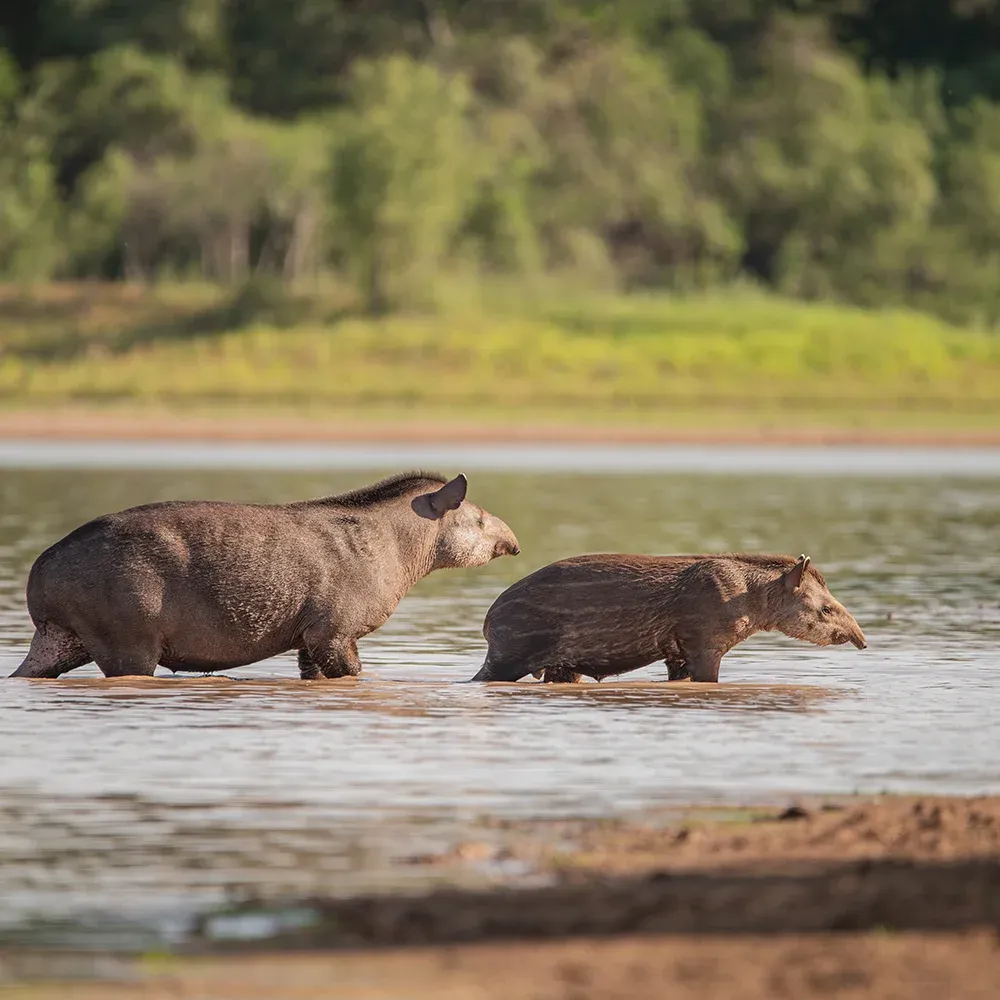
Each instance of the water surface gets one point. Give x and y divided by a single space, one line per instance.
160 796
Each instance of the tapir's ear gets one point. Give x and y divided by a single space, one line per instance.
793 578
449 497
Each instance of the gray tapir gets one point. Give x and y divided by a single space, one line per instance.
207 585
601 615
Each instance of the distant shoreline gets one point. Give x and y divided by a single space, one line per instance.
86 425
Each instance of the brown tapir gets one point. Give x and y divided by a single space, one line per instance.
206 586
601 615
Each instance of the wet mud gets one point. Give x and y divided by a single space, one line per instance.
887 897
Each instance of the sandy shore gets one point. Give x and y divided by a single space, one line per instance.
92 425
775 967
891 897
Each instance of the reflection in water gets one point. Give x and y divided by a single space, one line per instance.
643 694
163 794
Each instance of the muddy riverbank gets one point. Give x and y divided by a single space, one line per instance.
81 424
880 897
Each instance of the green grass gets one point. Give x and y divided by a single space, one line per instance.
715 360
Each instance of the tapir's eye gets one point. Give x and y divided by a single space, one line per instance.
482 521
826 610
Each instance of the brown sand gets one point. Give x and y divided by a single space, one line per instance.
891 897
784 967
113 425
904 829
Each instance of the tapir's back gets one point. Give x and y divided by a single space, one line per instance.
602 608
219 583
207 543
593 582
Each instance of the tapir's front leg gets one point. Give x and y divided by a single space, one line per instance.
330 657
559 675
677 668
675 659
703 665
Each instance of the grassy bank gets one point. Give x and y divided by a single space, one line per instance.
724 360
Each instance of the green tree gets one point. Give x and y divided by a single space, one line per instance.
827 173
29 206
403 170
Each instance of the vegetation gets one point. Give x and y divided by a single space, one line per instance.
686 162
829 149
723 358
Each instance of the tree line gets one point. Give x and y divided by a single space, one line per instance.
835 149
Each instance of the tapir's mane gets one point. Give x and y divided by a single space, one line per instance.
390 488
780 563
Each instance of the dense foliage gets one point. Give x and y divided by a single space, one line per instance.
844 149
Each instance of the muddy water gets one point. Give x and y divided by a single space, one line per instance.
152 798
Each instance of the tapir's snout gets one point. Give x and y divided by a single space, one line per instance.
843 626
856 636
506 540
507 547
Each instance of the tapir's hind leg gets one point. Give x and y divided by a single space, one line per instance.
53 651
492 670
506 669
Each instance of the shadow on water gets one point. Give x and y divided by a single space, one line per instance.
640 694
414 698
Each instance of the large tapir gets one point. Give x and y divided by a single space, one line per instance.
204 585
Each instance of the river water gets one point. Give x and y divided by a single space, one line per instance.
163 796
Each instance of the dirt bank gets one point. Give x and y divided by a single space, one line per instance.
890 897
88 425
784 967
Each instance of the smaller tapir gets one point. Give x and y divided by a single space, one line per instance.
602 615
